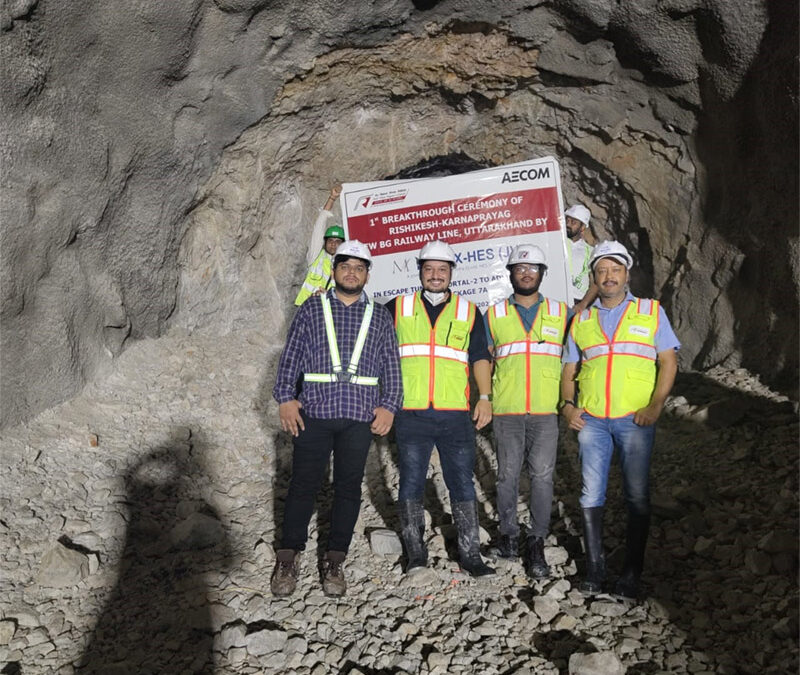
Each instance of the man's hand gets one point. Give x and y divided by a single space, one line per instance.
382 422
336 190
291 420
483 413
667 369
573 414
644 417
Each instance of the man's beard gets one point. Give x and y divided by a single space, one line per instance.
524 291
350 289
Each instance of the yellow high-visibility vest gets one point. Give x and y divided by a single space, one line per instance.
318 276
617 375
527 370
433 359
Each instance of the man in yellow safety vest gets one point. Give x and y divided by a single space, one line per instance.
622 350
527 334
318 277
439 334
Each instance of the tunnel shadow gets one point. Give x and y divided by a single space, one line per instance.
279 447
158 619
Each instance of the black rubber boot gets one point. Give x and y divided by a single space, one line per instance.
507 547
627 585
412 530
535 563
465 515
593 543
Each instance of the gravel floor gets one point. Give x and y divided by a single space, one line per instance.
138 524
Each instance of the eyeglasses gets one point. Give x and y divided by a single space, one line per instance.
352 267
522 269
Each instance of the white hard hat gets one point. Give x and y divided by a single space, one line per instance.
579 212
526 253
437 250
353 248
611 249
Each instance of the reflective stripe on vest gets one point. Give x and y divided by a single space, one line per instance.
339 375
527 372
434 359
318 276
617 376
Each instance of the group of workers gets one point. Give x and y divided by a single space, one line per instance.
606 363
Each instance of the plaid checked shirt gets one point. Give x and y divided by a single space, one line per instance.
306 351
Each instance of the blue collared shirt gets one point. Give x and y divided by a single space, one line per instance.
609 320
306 351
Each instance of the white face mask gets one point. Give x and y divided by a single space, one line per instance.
435 298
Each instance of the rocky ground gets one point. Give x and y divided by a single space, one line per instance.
138 524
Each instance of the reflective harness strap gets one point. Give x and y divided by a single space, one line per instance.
338 374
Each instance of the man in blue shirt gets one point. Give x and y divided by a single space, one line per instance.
626 350
345 348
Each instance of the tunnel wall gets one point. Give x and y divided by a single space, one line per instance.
162 165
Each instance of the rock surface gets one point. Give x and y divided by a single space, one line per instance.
189 443
171 179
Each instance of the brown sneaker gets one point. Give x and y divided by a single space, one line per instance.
284 576
333 582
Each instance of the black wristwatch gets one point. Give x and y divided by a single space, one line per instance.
565 403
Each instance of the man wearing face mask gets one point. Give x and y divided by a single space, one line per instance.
526 332
621 355
344 346
440 334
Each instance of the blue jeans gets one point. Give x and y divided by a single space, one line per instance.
416 432
597 441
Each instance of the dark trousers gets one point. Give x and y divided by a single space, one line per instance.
453 434
349 441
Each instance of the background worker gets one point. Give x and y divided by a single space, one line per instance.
582 290
440 334
318 276
626 348
344 346
526 333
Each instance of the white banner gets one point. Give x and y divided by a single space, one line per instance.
482 214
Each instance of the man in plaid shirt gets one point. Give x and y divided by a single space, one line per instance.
345 347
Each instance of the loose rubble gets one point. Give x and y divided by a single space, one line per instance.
138 529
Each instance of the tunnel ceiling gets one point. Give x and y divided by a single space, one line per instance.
180 191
